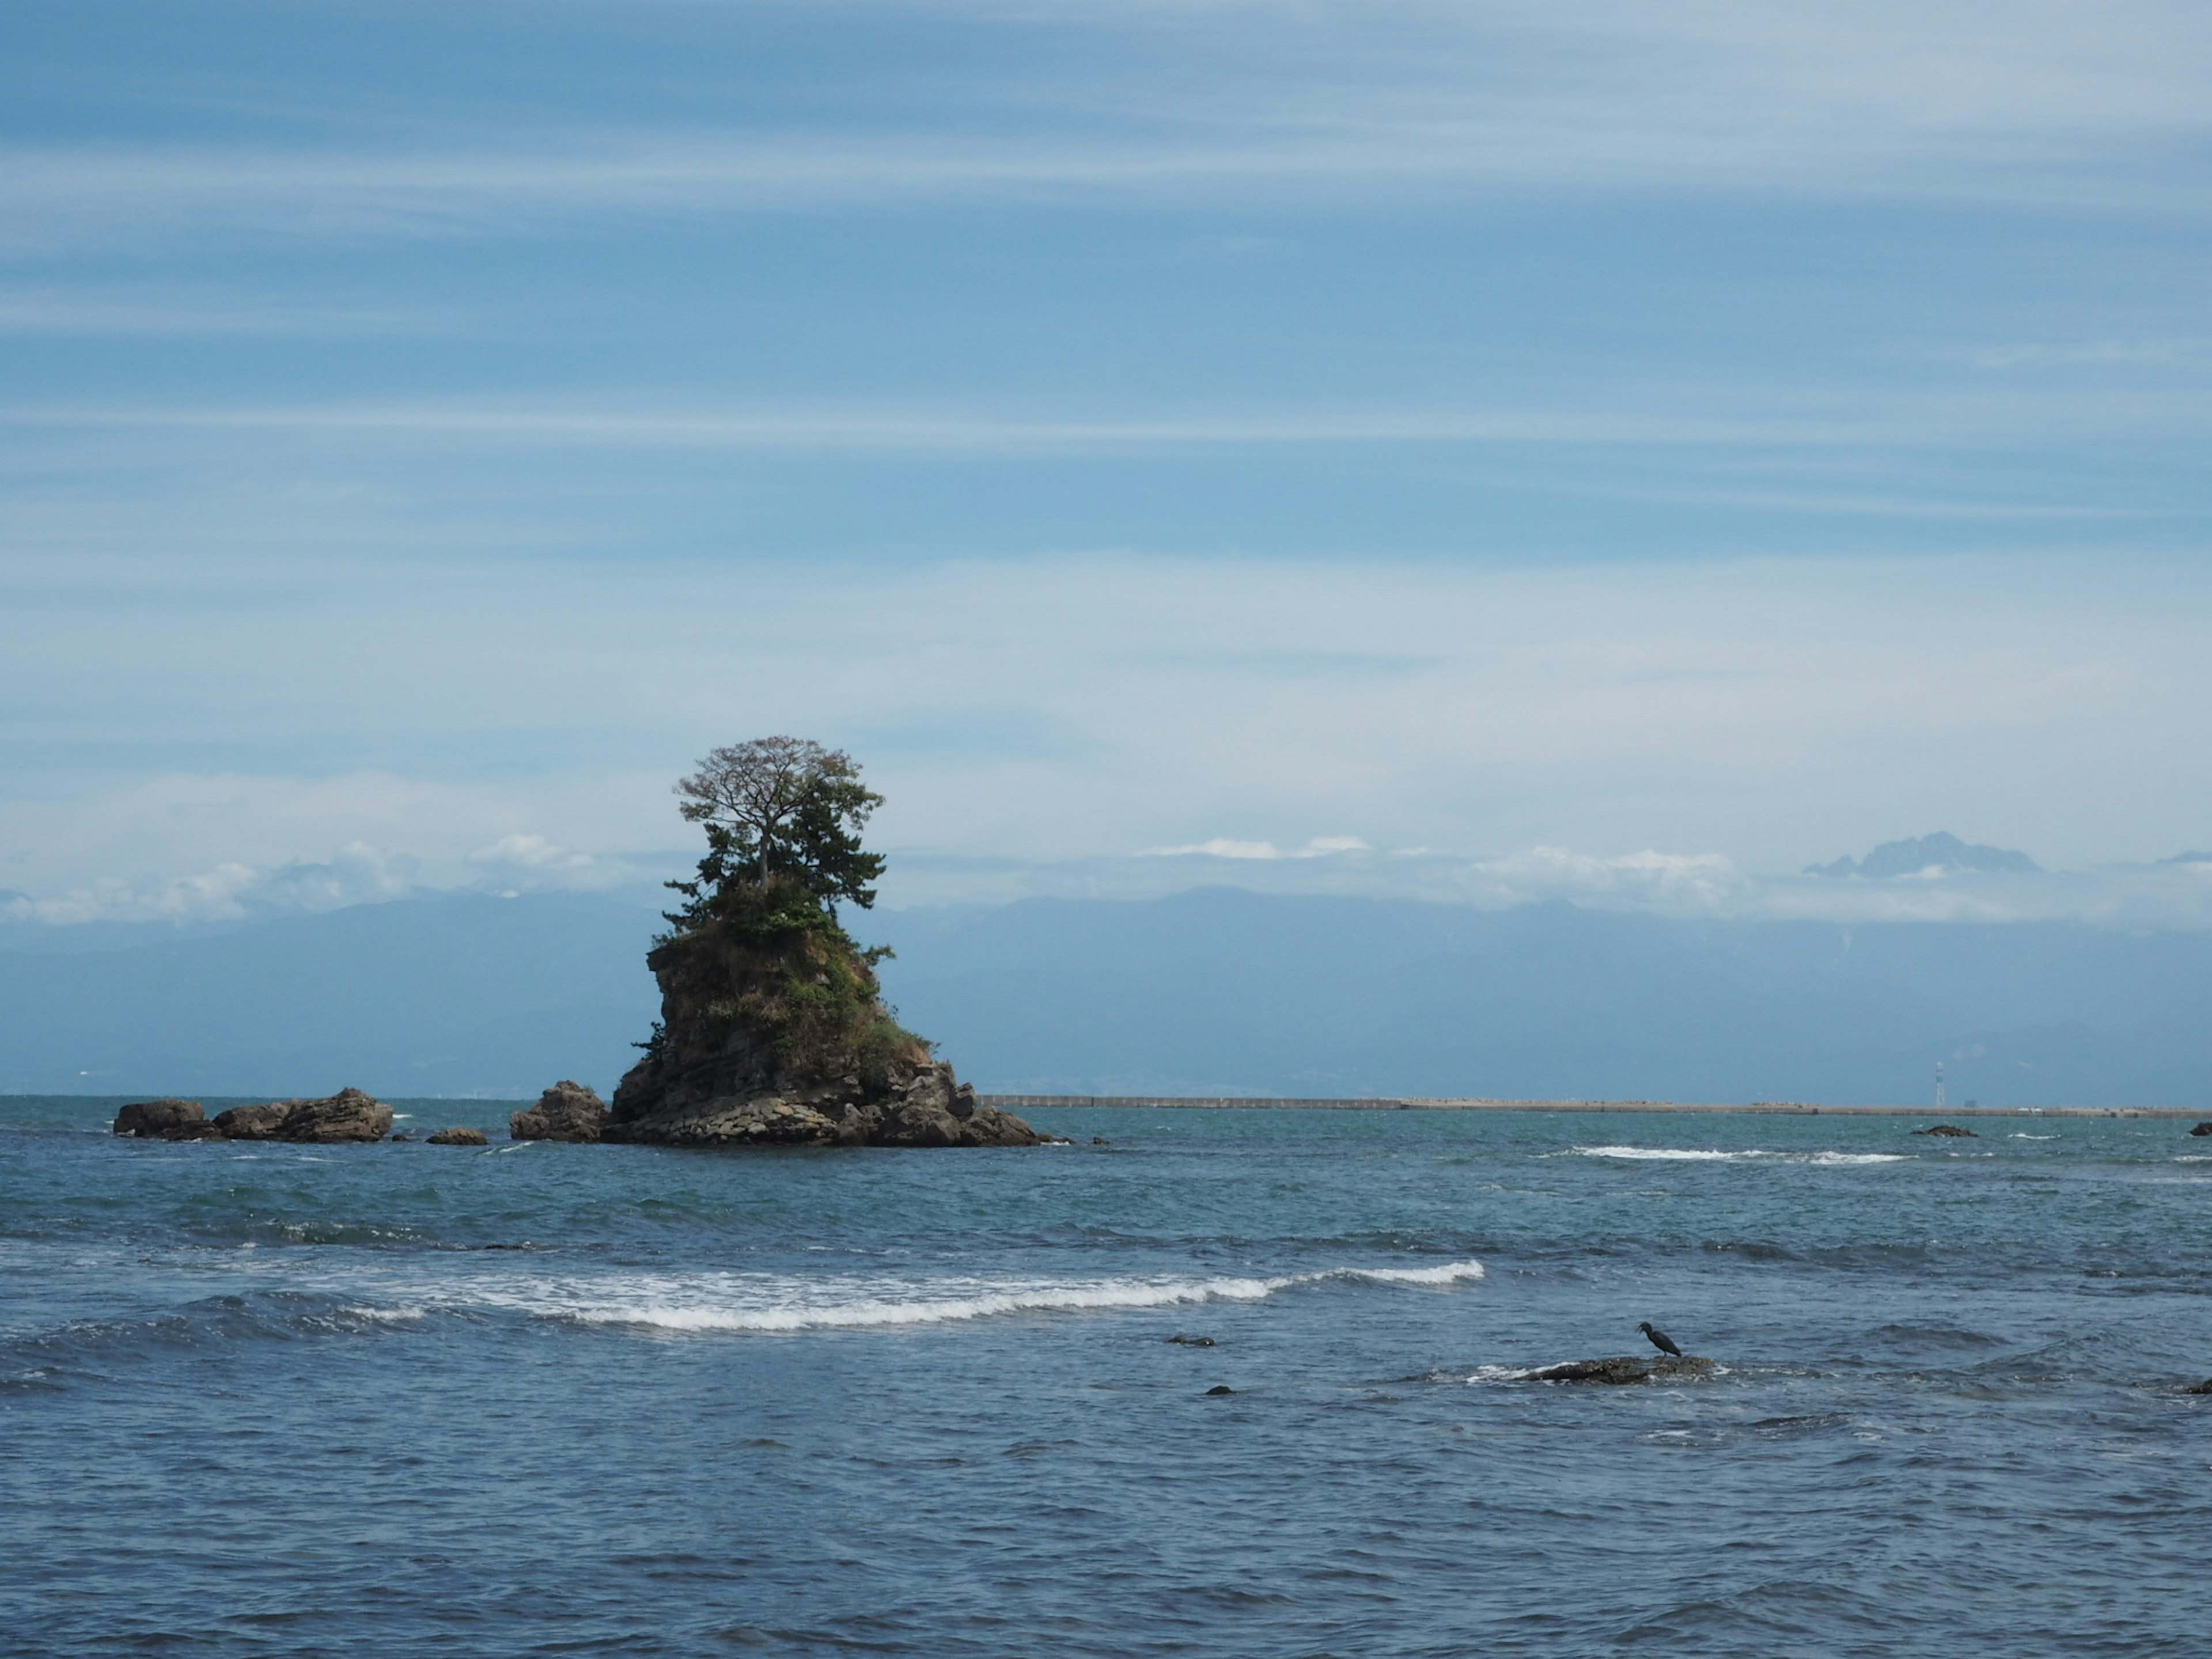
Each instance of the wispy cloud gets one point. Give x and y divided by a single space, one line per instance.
1321 847
46 311
355 874
1316 103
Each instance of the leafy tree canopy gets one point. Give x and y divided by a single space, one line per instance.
781 813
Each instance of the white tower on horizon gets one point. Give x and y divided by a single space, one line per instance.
1939 1085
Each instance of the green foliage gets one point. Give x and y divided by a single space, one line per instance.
783 808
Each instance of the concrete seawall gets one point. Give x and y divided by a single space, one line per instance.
1416 1104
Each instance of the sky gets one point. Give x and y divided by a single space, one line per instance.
1483 450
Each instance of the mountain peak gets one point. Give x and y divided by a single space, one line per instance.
1940 854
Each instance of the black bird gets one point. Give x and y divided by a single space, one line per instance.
1660 1339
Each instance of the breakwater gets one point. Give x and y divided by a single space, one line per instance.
1424 1104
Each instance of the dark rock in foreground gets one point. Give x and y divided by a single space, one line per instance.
566 1111
2204 1128
348 1115
459 1138
2205 1386
1625 1368
1949 1129
165 1120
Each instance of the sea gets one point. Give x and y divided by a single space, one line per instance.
1219 1382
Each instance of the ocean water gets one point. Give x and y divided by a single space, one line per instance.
412 1399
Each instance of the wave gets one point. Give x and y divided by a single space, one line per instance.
1685 1154
774 1302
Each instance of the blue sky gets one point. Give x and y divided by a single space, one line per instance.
1719 432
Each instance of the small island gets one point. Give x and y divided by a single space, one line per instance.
773 1030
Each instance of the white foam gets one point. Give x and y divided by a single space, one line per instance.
1686 1154
2017 1135
776 1301
1451 1273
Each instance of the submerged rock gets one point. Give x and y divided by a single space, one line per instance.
1624 1368
459 1138
1949 1129
2205 1386
566 1111
165 1120
1192 1341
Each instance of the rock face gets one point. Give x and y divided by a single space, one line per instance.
459 1138
348 1115
1625 1368
165 1120
1949 1129
774 1035
566 1111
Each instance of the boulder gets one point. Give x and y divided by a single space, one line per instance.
255 1122
165 1120
2203 1128
459 1138
1951 1130
566 1111
1623 1368
2205 1386
348 1115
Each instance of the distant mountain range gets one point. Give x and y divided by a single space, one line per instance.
1941 854
1216 991
454 995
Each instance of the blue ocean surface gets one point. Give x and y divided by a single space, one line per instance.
534 1398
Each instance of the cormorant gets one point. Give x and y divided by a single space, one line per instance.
1660 1339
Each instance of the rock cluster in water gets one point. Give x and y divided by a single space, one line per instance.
348 1115
2203 1128
1950 1130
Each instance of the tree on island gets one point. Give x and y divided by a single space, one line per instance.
779 808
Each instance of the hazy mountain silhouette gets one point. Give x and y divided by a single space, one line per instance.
1214 991
1941 851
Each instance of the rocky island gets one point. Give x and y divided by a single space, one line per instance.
773 1030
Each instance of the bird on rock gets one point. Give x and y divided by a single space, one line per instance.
1660 1339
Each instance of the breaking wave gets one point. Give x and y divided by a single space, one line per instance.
1685 1154
775 1302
